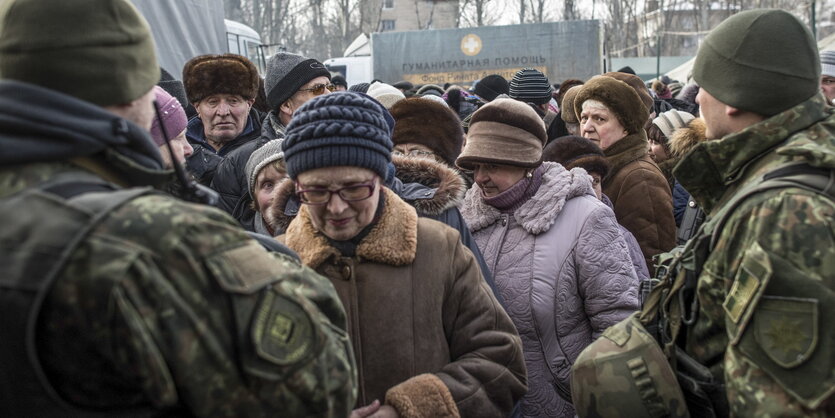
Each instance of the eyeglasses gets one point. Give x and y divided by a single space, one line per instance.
414 153
351 193
319 89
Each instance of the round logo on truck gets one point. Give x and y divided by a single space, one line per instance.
471 44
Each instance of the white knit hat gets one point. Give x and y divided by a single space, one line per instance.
671 120
385 94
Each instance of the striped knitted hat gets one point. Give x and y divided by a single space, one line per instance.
531 86
828 63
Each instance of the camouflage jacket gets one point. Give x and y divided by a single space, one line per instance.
766 292
165 305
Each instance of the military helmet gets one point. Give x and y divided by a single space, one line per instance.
625 373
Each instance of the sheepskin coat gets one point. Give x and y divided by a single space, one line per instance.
641 196
564 271
428 335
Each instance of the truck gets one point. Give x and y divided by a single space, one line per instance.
185 29
561 50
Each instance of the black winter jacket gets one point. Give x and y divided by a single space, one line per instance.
230 180
204 167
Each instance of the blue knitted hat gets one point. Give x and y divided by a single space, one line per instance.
338 129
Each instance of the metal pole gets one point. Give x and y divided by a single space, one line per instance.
658 56
812 20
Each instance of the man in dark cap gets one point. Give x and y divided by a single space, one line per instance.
531 86
115 299
751 304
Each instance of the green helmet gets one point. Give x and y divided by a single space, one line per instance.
625 373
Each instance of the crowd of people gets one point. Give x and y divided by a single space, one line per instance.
232 245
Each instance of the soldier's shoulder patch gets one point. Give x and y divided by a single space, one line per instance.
283 332
787 329
750 281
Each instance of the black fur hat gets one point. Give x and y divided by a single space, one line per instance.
429 123
206 75
574 151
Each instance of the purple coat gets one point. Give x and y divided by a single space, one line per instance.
564 270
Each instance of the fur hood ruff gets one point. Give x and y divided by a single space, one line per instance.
448 185
686 138
541 211
392 241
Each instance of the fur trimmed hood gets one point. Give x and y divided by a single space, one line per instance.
684 139
680 143
449 187
392 241
541 211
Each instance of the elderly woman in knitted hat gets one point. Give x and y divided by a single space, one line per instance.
613 115
265 170
556 253
429 337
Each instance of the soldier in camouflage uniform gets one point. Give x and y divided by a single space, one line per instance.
756 322
117 300
766 292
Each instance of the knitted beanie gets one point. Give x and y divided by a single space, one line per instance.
359 87
619 97
173 86
828 63
385 94
531 86
736 62
172 115
426 122
491 86
567 112
636 83
432 89
338 129
671 120
574 151
206 75
287 73
504 131
260 158
100 51
339 80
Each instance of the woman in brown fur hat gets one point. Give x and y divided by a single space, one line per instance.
612 115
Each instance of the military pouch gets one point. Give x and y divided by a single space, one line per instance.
705 395
625 373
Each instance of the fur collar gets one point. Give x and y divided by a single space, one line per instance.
625 151
541 211
392 241
448 184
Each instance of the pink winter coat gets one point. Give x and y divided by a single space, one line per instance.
564 270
